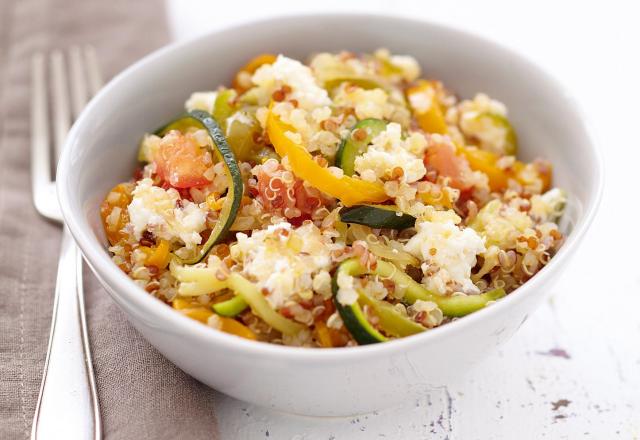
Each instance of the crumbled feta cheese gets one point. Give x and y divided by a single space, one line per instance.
261 115
408 65
334 321
375 289
347 293
404 66
155 209
322 284
421 101
296 75
389 151
451 249
308 131
282 259
324 141
366 103
205 101
501 224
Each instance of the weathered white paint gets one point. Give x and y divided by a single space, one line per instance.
594 313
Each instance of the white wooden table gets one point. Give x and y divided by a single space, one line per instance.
573 369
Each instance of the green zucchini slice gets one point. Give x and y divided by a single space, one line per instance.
350 148
220 152
223 107
231 307
352 315
380 216
391 321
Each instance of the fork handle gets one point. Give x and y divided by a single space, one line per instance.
67 406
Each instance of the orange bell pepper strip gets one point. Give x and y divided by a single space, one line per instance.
442 200
349 190
250 68
201 313
117 200
231 326
160 256
487 162
323 335
426 108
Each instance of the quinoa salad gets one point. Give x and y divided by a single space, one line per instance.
341 201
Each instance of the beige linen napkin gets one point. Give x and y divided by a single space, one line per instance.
142 395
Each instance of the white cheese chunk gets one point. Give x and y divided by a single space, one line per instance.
451 250
205 101
156 210
290 72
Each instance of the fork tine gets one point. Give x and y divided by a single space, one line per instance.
78 82
40 153
60 101
93 69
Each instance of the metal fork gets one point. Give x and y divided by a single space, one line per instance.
67 406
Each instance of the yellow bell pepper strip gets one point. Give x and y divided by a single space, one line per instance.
201 314
426 108
443 200
250 68
349 190
181 303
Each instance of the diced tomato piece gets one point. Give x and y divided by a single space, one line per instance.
443 158
181 162
277 195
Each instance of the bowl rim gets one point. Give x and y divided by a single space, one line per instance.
119 282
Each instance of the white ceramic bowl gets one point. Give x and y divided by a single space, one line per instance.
101 151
